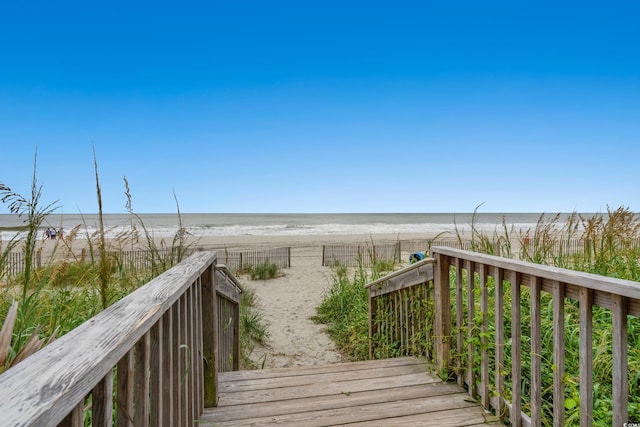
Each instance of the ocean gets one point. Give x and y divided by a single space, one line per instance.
273 224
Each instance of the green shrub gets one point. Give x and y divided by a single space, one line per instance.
266 270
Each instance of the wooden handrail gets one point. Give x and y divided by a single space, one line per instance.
457 317
160 342
621 297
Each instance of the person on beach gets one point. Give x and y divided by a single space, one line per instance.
47 234
60 234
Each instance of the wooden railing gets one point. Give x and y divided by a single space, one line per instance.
400 321
151 359
478 309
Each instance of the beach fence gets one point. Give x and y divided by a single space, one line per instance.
142 261
360 255
238 260
355 255
14 262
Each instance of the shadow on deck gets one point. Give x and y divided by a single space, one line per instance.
391 392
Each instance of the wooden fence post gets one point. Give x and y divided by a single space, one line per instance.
442 314
209 336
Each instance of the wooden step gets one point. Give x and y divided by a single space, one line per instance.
391 392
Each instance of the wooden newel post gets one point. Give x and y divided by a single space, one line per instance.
209 337
442 295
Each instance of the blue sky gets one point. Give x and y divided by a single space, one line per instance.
290 106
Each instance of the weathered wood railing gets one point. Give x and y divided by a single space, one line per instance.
400 321
478 309
150 359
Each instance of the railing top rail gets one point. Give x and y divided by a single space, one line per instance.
223 268
414 266
625 288
44 388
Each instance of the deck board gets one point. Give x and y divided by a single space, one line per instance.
392 392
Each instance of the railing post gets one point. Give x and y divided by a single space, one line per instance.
209 337
236 337
442 314
620 361
586 357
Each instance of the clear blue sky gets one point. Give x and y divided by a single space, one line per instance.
323 106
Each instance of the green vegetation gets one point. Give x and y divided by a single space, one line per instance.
43 302
345 309
253 330
606 244
265 271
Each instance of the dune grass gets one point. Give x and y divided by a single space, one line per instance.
46 301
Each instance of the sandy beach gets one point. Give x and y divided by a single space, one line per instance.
289 302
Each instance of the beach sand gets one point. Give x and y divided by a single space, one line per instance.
289 302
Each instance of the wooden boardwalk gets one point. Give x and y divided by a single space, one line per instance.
391 392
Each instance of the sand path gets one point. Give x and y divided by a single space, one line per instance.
287 304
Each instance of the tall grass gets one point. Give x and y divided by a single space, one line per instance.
253 330
344 308
24 302
46 301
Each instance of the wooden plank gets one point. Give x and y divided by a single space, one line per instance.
166 369
626 288
226 287
484 338
320 378
620 361
442 308
498 276
328 402
199 368
558 354
102 402
141 381
265 395
516 351
586 357
156 380
409 276
372 319
363 366
536 353
428 408
176 328
190 343
460 371
209 338
471 416
471 308
184 363
124 393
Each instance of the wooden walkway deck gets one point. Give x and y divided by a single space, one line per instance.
391 392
